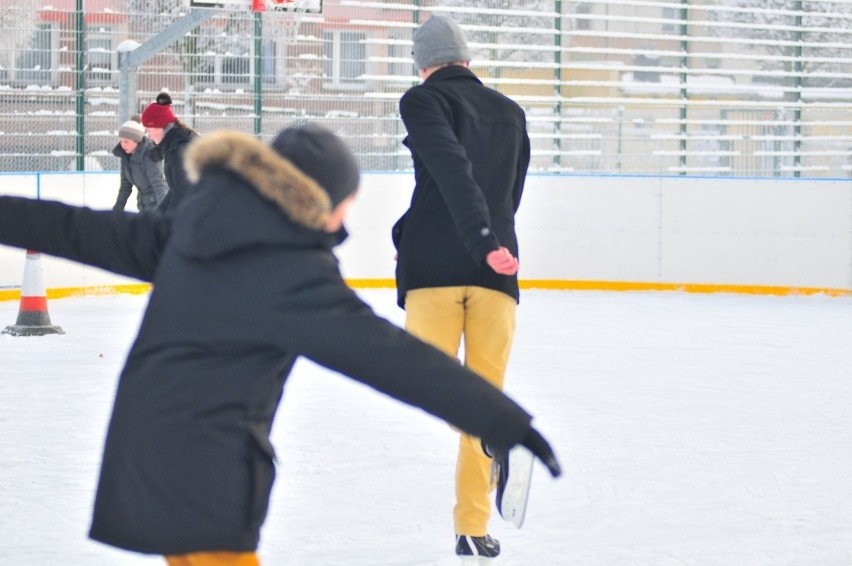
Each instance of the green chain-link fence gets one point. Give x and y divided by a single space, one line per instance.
732 87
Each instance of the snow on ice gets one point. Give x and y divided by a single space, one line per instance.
693 429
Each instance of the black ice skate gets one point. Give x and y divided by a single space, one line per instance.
477 550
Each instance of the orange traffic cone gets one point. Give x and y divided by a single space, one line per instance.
33 319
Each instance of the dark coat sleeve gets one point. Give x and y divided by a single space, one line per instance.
124 188
431 136
355 342
521 172
127 244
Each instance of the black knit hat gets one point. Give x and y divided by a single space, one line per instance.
321 155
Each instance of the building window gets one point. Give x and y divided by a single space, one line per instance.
37 64
270 57
344 59
645 60
581 10
402 69
671 26
205 69
101 58
235 66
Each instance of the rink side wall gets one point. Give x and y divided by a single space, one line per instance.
747 235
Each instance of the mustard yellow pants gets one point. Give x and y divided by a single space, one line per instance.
442 316
214 559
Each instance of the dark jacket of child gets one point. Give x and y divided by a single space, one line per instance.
171 151
244 282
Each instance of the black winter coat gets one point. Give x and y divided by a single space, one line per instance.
171 150
142 170
471 152
243 283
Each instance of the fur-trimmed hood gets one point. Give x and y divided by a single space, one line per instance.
270 174
245 196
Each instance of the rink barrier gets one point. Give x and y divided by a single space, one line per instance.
579 232
554 285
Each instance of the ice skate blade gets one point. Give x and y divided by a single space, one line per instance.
516 493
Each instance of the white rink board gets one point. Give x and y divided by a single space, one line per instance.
757 233
669 230
589 228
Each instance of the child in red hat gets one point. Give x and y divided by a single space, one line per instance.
171 136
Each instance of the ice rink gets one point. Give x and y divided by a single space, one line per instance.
693 430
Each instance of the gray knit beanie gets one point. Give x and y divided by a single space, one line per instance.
439 40
131 130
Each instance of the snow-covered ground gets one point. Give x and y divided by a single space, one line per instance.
693 429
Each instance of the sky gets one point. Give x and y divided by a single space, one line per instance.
693 429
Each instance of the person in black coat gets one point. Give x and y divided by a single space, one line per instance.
172 138
139 168
244 281
457 251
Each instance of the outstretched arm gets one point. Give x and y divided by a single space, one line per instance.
377 353
346 336
127 244
385 357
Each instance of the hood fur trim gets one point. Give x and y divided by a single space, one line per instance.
301 198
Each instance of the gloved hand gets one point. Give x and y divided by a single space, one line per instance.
535 443
540 448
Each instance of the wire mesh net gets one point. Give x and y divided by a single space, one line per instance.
731 87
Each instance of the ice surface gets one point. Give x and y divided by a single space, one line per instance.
693 430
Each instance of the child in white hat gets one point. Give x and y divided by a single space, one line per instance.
140 168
